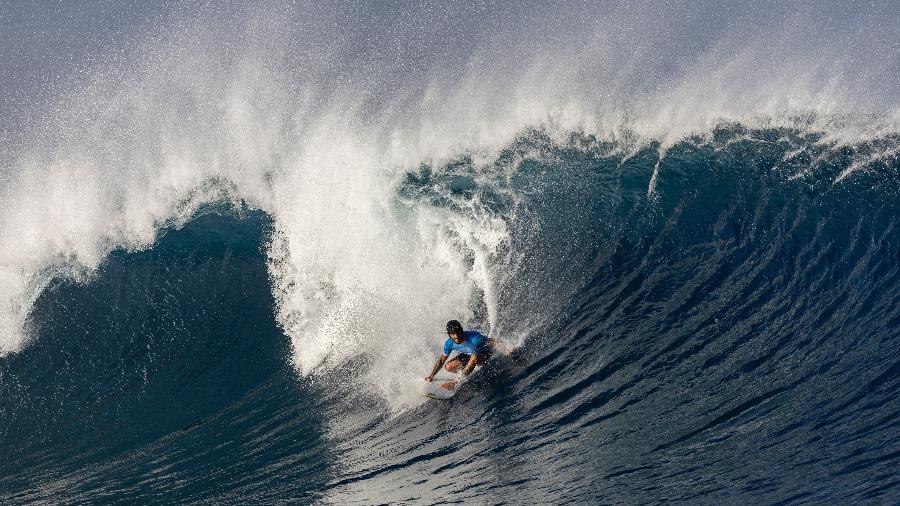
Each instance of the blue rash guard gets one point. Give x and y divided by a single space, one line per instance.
474 342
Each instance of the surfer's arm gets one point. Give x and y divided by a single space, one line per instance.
437 367
499 346
473 360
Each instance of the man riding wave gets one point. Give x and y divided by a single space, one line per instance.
473 349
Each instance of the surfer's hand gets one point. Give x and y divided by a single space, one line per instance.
429 378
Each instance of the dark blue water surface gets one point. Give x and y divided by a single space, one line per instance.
732 335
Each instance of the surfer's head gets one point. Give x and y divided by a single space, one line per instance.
455 331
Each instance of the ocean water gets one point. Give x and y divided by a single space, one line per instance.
230 240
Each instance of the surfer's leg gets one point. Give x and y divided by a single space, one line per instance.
453 365
457 363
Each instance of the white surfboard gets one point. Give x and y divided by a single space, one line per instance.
444 385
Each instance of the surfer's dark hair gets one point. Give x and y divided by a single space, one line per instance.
454 327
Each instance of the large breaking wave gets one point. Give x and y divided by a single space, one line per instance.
228 257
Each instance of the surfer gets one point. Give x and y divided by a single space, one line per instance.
472 346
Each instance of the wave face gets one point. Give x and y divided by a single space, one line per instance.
230 239
731 335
